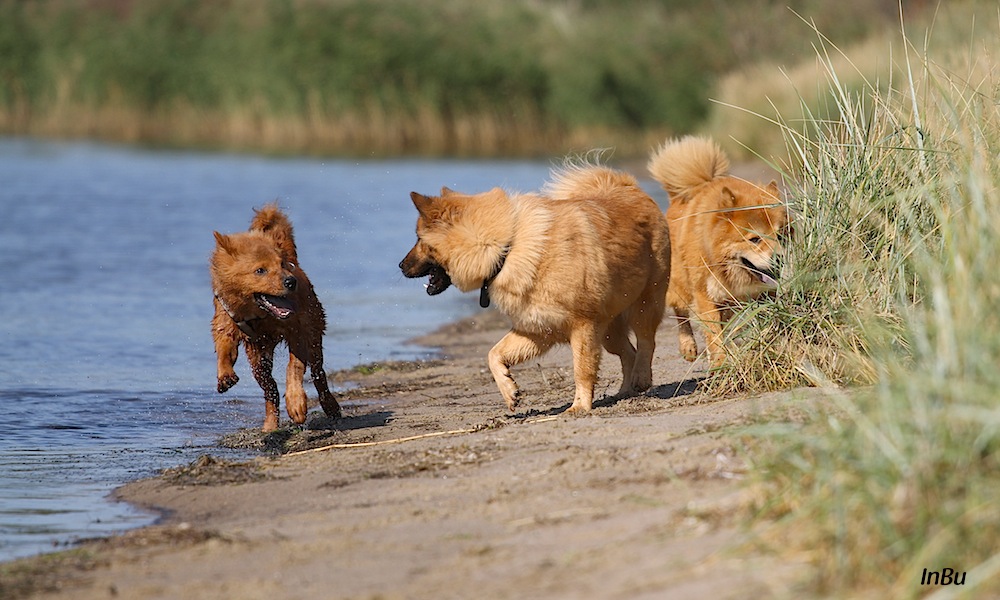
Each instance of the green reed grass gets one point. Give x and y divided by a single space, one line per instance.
892 282
383 76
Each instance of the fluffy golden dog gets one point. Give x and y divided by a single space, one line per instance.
262 298
586 263
726 235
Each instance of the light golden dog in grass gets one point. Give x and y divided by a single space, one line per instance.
587 262
726 234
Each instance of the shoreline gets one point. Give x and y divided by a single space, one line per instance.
429 486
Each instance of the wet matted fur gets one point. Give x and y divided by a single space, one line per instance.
263 298
726 234
585 262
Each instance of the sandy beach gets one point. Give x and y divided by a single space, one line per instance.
430 488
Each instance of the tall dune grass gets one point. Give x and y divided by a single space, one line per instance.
750 99
893 282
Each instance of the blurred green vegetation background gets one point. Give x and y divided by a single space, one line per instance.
389 77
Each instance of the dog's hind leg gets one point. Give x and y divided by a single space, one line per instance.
645 318
616 342
514 348
326 399
584 339
261 358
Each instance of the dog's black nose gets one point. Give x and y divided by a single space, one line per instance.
290 283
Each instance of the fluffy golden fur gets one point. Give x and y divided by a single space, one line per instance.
726 235
262 298
585 263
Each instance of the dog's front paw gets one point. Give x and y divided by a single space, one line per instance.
509 390
226 382
295 406
689 350
513 399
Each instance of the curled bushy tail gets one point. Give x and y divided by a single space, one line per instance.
579 179
684 164
271 221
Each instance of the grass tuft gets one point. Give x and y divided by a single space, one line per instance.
892 282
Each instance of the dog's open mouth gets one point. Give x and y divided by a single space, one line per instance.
281 308
767 277
439 281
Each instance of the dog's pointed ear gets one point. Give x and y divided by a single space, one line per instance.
424 204
772 188
223 242
447 191
728 198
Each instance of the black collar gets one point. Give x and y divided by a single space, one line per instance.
246 325
484 292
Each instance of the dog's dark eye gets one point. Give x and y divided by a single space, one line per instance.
291 266
756 240
261 271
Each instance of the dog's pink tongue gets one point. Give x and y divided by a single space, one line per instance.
280 307
767 279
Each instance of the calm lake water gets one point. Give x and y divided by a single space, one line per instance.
107 369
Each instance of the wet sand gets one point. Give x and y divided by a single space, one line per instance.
430 488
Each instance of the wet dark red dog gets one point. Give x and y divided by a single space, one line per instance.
263 298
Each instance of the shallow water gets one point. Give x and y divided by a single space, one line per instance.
107 370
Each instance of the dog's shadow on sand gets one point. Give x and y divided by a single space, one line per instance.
378 418
675 389
317 430
320 426
666 391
